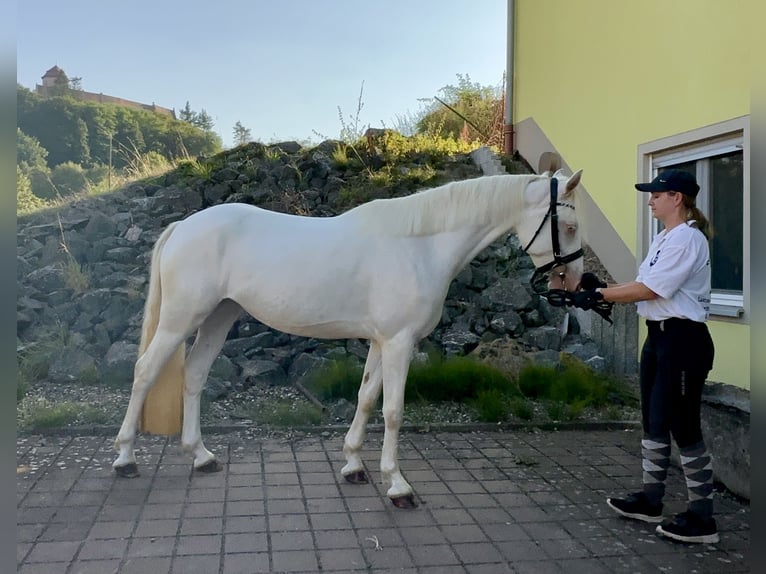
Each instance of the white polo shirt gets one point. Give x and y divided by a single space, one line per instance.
677 268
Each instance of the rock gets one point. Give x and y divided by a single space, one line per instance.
69 364
262 372
119 363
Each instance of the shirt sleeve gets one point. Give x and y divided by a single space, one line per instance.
671 270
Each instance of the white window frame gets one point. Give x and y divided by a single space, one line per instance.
716 139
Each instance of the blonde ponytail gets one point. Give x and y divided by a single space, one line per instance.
700 221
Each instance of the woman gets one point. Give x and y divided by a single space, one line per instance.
672 292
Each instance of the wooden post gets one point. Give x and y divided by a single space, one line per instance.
163 407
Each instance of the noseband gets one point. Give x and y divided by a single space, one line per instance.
557 297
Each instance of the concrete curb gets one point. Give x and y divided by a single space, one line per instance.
107 430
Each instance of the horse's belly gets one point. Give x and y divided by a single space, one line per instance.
329 330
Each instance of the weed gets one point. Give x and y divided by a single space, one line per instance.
521 408
272 153
22 388
41 413
611 413
381 178
351 195
34 358
287 414
89 376
195 168
340 156
556 410
352 131
143 165
492 405
420 175
75 277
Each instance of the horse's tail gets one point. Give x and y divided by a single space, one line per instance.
154 297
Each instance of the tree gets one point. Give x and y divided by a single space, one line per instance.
481 108
241 134
187 114
60 85
29 153
203 121
75 84
26 201
89 133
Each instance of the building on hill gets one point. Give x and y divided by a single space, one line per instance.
52 80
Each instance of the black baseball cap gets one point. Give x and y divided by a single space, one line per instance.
672 180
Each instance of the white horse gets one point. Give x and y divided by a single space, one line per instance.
380 272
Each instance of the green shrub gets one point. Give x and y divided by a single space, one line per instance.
41 184
341 378
69 178
26 200
536 381
574 385
455 379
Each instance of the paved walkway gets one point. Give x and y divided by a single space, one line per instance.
491 502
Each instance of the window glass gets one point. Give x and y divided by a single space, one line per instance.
725 213
721 200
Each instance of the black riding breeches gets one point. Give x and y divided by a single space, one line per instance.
675 361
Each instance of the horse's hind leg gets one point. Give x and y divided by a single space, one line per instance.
210 338
368 393
146 371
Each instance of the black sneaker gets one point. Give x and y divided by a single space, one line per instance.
636 506
690 527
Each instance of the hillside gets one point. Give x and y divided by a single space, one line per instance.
82 268
93 133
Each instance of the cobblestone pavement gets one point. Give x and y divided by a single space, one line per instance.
489 502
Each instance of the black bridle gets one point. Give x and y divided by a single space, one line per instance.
556 297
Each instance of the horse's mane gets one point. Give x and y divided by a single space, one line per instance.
445 208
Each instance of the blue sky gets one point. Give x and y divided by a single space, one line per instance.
282 68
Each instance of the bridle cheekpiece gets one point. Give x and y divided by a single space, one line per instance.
556 297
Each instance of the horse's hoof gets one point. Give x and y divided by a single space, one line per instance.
357 477
129 470
406 501
209 467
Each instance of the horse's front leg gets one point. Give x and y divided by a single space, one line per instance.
369 390
397 354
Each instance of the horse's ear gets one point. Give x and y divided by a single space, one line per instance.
549 161
573 182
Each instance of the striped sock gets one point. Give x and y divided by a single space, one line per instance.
698 471
655 453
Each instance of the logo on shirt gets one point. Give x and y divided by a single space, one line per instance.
654 259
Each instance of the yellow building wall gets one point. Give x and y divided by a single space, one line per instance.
601 77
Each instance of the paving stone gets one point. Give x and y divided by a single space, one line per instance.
280 505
